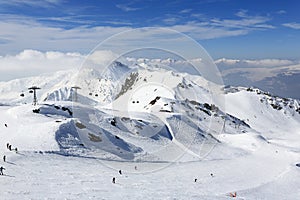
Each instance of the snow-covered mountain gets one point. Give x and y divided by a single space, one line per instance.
141 111
148 114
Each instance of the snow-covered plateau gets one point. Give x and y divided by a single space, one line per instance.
160 134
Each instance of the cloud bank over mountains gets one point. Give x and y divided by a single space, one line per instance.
32 62
225 63
280 77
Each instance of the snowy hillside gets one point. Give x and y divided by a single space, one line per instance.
274 117
147 115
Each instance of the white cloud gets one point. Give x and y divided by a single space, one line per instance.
198 16
32 3
242 13
265 63
260 73
171 20
126 8
256 70
269 62
117 22
102 57
16 36
30 34
32 62
185 11
292 25
281 12
217 28
206 31
19 32
245 22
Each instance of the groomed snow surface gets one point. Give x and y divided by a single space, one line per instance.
268 172
166 148
262 175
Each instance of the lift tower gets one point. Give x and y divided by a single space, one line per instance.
34 89
75 92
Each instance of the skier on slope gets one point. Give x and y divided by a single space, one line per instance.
1 170
4 158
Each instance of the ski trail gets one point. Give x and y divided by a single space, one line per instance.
175 141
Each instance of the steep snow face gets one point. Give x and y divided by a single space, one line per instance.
143 86
60 94
101 85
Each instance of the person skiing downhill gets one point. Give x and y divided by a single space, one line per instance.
1 170
114 180
4 158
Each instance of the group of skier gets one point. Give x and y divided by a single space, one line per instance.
120 172
114 178
9 147
2 168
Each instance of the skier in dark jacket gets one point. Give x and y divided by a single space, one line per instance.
114 180
1 170
4 158
120 172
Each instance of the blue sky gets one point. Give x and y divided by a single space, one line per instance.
239 29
